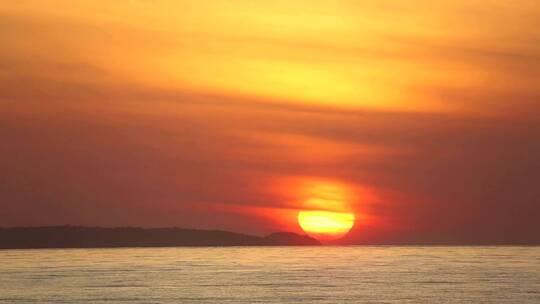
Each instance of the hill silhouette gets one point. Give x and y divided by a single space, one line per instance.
98 237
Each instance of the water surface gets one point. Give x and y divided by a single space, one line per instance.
356 274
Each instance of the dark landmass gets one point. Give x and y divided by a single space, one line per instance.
97 237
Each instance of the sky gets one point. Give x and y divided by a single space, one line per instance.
424 115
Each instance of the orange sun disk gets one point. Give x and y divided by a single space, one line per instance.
326 225
327 215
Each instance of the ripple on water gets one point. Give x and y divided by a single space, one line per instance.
272 275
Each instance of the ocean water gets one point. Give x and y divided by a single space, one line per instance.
356 274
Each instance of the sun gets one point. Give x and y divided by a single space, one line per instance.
326 225
326 215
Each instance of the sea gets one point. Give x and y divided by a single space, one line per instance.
321 274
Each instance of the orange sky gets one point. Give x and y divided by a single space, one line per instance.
220 114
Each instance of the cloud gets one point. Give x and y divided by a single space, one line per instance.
84 142
83 159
